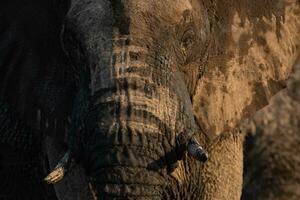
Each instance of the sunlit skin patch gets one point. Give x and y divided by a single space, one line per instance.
179 173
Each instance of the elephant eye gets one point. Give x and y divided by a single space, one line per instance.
187 40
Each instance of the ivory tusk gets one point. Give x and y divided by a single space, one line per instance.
196 151
58 173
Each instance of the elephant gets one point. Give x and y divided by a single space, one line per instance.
133 94
271 155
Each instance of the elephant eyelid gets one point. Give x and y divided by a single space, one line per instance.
188 37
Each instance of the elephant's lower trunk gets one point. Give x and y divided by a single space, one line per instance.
123 160
122 170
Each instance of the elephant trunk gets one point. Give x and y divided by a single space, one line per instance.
130 131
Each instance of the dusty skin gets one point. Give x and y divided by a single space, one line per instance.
129 83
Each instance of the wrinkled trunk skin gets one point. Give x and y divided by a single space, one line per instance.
221 176
272 157
131 107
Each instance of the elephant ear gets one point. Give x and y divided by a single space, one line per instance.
253 47
36 92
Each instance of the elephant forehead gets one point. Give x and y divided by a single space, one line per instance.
127 16
171 10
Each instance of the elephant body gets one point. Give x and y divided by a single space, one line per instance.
136 81
271 160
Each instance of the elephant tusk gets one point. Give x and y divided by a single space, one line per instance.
60 170
196 151
55 176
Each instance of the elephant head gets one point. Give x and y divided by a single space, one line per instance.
133 117
141 76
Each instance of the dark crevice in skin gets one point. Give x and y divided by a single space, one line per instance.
124 196
138 181
121 20
149 88
135 114
113 157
